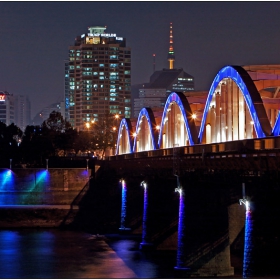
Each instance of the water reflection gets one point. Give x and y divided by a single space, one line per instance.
147 264
30 253
27 254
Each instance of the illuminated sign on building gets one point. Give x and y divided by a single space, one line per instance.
2 97
102 35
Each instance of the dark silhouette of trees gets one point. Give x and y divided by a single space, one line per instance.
55 137
10 137
36 145
106 132
60 132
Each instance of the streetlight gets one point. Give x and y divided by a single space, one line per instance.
88 125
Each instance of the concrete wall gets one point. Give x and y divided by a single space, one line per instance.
41 186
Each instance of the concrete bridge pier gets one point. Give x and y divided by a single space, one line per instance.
248 243
181 247
145 244
248 237
123 227
203 233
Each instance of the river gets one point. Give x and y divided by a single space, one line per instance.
53 253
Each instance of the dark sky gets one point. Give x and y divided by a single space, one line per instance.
34 39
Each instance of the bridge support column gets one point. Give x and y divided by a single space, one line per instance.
145 244
123 227
181 249
248 244
248 239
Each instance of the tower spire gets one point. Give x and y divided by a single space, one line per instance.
171 56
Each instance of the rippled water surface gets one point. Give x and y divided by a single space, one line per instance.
51 253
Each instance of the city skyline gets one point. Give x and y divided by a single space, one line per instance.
35 38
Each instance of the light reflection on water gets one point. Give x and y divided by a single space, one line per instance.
153 264
26 254
50 253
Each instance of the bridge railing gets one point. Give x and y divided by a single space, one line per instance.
240 146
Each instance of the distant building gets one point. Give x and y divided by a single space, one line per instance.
45 112
97 77
7 109
22 111
162 83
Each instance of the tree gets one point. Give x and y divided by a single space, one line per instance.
56 123
60 131
36 145
9 141
106 132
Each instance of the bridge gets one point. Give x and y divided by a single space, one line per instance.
199 177
220 156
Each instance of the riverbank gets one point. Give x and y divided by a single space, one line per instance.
35 216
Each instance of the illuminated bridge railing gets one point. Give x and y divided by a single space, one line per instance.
246 146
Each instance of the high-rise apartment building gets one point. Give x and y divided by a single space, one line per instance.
97 77
7 109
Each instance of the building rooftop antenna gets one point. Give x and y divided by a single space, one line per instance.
171 56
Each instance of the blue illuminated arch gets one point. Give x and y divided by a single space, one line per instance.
126 123
276 128
147 112
251 96
183 104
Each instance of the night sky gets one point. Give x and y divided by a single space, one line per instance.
34 39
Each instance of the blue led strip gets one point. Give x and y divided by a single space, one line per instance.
232 73
124 123
124 200
145 215
181 254
248 244
276 128
145 113
173 97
